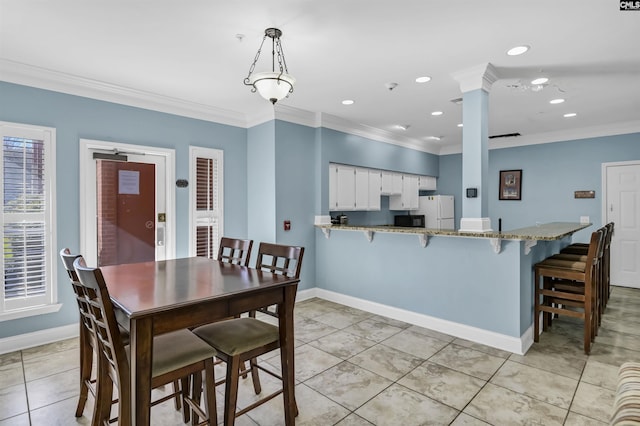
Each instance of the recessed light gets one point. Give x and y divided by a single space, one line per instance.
570 114
433 138
423 79
556 101
541 80
437 113
403 126
347 102
460 124
518 50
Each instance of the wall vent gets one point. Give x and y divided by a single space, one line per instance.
506 135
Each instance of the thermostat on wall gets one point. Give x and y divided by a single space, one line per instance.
472 192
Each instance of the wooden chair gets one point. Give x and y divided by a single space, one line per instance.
278 259
176 356
568 288
235 251
87 344
244 339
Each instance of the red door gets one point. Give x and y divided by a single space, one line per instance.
126 212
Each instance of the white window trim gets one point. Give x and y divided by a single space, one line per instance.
218 154
51 305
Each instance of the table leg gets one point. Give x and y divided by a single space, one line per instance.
286 354
141 359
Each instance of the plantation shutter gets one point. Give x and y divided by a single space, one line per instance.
207 203
25 215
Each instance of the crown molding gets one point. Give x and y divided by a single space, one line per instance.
28 75
478 77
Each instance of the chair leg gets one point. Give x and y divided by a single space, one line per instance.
231 390
536 309
210 392
177 400
104 396
253 364
188 384
86 367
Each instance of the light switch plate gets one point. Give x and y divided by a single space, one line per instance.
584 219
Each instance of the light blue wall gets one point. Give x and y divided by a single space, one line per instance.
295 192
339 147
75 117
550 175
261 194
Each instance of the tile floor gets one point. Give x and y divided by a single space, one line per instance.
354 368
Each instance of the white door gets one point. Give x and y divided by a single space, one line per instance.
622 204
127 203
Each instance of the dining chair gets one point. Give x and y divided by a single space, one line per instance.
87 343
244 339
568 288
235 251
178 355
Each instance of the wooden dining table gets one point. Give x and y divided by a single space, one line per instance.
161 296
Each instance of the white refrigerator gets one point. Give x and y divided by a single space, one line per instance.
437 210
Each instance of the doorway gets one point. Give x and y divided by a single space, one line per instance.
127 213
621 205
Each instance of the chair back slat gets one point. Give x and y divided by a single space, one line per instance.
280 259
235 251
85 314
106 327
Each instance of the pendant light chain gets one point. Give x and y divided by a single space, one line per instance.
247 80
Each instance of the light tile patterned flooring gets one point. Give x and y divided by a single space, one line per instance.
354 368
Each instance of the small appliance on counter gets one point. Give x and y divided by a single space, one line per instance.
340 220
409 220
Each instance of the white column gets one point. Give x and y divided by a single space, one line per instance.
475 84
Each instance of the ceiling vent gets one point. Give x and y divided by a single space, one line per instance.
506 135
457 101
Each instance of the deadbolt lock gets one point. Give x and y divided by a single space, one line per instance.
162 217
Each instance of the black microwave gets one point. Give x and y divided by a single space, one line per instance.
409 220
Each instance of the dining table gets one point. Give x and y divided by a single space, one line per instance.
157 297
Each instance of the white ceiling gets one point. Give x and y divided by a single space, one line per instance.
187 53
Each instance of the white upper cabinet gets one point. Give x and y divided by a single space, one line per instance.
427 183
342 187
360 188
375 189
408 199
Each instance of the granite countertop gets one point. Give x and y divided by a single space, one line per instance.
544 231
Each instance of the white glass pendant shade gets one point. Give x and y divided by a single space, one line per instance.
273 86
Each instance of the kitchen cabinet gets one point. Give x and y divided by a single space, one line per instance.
408 199
342 187
375 189
427 183
361 189
388 183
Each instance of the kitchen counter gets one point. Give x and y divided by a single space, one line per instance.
543 232
475 286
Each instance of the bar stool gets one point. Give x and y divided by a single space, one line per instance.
88 345
565 286
176 356
244 339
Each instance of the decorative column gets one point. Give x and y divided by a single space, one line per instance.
475 84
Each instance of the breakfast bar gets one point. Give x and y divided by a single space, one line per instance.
476 286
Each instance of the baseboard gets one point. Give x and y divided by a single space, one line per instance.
496 340
37 338
489 338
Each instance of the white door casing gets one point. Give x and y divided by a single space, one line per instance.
621 205
162 158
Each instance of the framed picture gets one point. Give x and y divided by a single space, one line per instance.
510 185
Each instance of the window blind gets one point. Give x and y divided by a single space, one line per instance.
24 218
207 206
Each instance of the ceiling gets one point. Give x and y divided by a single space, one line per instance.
189 53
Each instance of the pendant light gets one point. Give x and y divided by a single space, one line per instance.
272 85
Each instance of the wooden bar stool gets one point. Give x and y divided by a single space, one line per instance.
568 288
176 356
244 339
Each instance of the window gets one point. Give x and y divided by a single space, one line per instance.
206 201
28 227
